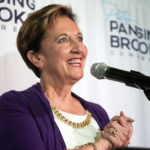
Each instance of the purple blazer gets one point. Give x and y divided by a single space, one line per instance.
27 122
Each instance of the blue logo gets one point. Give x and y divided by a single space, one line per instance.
112 10
125 33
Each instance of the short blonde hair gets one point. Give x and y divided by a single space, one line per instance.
34 27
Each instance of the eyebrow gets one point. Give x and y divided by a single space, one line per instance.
64 34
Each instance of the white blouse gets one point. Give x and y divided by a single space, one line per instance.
77 136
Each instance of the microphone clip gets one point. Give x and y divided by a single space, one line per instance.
146 89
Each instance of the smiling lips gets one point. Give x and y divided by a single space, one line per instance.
76 62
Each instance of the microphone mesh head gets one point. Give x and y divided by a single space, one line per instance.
98 70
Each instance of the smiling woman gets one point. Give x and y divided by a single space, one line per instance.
48 115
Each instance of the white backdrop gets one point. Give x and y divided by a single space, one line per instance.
108 27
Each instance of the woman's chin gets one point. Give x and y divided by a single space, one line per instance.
77 78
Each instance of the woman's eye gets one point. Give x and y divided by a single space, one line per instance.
80 39
62 40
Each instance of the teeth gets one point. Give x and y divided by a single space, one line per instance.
75 64
74 61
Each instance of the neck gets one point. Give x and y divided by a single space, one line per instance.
56 91
59 95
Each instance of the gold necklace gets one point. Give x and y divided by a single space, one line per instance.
83 124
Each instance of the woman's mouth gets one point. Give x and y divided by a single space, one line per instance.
76 62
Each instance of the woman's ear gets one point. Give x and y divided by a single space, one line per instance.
34 59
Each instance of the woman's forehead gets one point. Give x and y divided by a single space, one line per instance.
62 25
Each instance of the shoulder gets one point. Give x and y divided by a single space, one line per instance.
12 102
90 105
97 109
11 97
21 95
16 99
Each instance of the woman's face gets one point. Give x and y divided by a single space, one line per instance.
63 53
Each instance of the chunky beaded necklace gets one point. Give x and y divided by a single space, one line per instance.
83 124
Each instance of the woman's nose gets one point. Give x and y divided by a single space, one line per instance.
77 47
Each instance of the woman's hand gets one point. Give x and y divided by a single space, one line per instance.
128 124
119 130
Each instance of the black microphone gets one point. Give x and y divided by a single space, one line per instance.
132 78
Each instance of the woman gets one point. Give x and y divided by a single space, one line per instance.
48 116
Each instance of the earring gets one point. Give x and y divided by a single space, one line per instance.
40 69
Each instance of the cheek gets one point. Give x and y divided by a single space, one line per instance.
85 51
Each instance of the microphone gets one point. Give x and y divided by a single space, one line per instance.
132 78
